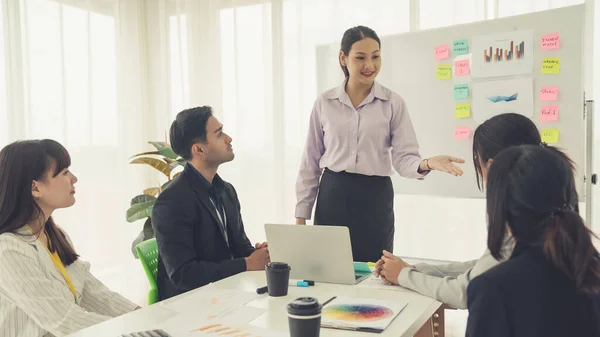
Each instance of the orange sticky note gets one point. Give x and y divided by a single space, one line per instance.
442 52
549 93
551 41
462 132
549 113
461 68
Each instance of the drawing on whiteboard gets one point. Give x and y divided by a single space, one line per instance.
498 97
502 54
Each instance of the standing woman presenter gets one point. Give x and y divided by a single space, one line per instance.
358 134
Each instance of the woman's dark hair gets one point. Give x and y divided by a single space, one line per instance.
189 128
21 163
498 133
353 35
529 188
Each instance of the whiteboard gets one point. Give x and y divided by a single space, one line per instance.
409 69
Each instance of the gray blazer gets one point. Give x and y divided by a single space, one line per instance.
448 283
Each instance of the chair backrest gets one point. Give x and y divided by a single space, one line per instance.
148 254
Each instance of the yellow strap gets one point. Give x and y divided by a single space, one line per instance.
61 268
59 265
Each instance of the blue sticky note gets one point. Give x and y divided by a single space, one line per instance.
460 47
461 91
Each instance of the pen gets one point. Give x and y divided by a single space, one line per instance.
329 300
261 290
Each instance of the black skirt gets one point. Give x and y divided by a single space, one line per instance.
364 204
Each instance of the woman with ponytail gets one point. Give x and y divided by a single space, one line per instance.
45 289
550 285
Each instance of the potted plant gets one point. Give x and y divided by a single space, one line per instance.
166 162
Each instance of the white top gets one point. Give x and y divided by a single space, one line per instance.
35 299
406 324
448 282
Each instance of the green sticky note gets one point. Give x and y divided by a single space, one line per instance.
461 91
444 71
361 267
551 65
460 47
462 110
550 136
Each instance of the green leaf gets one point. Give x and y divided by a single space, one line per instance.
181 161
156 163
165 149
176 175
141 199
140 211
145 154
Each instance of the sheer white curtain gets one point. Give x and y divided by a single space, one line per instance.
3 82
70 84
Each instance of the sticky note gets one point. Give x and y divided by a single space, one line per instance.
461 68
462 132
551 65
550 136
549 113
461 91
462 110
549 93
550 41
460 47
442 52
444 72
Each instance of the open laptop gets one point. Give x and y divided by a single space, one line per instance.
316 253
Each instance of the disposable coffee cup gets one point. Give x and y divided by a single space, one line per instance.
278 277
304 317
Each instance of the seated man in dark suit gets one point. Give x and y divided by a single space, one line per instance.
197 218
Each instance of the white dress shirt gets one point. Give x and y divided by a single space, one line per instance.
35 299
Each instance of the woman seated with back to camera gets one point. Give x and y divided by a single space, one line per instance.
448 283
45 288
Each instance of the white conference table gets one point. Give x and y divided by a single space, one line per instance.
419 309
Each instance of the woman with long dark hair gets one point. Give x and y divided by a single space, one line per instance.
550 285
44 286
448 283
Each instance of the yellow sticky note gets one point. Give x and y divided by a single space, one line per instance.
462 110
444 72
550 136
551 65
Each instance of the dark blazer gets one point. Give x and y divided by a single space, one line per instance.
192 250
528 296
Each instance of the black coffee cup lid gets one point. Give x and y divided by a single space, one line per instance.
304 306
278 265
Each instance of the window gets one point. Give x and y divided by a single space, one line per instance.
3 102
178 59
435 13
71 74
516 7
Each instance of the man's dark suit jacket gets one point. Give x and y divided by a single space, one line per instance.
192 250
527 296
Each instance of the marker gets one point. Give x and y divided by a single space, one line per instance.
261 290
302 284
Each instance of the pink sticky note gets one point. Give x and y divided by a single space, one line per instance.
549 93
442 52
549 113
551 41
462 132
461 68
